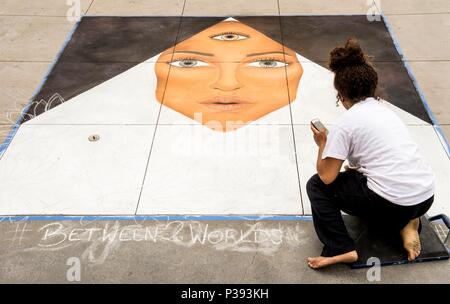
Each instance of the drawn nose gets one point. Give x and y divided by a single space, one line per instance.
227 80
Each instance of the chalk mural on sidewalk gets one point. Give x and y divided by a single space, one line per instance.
193 115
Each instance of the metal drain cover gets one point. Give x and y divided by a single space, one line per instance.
94 137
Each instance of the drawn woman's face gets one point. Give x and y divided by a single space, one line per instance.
227 76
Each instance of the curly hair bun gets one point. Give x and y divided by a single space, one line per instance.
349 55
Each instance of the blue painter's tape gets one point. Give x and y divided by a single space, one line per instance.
157 218
436 125
19 121
231 15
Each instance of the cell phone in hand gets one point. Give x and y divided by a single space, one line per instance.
318 125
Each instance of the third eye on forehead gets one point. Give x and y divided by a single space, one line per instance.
229 36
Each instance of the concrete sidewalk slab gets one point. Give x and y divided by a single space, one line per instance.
230 8
41 7
435 85
137 8
26 38
19 81
323 7
423 37
4 131
399 7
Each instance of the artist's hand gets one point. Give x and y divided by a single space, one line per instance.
320 137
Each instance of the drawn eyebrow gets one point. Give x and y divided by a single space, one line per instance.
257 54
194 52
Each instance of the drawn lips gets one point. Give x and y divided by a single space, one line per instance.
226 104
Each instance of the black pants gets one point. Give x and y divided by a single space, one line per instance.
349 193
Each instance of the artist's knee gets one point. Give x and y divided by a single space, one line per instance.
314 185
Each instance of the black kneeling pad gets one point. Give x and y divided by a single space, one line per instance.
388 247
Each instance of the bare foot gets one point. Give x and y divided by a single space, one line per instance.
320 261
411 240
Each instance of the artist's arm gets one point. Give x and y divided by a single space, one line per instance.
328 168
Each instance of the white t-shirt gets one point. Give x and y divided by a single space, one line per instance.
375 140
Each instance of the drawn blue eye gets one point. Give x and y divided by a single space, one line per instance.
267 64
188 63
229 37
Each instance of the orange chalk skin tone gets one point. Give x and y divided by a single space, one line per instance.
227 76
